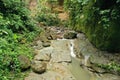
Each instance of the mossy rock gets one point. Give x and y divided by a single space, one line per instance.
70 35
24 62
39 66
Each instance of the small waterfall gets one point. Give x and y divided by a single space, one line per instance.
72 48
86 60
62 39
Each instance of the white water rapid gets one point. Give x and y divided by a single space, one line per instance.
72 48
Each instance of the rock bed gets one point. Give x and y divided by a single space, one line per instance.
51 63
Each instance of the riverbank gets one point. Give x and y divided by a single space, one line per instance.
55 61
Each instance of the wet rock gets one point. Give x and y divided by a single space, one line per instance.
97 69
62 70
110 77
70 35
44 54
86 61
38 66
69 78
60 56
24 62
99 58
61 51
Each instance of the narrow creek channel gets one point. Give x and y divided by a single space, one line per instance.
74 67
76 70
62 63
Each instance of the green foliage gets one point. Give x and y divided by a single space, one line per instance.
9 52
15 15
16 30
48 19
99 20
111 67
45 15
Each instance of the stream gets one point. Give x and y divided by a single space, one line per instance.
64 61
63 58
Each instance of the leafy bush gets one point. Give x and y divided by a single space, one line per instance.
98 19
17 29
16 14
45 15
110 67
48 19
9 52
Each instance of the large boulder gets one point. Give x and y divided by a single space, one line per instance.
24 62
44 54
38 45
38 66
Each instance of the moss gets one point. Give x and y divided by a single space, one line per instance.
98 21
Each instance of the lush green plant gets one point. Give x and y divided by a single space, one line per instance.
110 67
16 15
9 52
48 19
17 29
45 15
98 20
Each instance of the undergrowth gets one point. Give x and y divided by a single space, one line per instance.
17 30
110 67
99 20
45 15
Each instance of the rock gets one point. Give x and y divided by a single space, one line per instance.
59 36
44 54
62 70
60 56
46 44
36 51
81 36
98 69
70 35
38 66
61 52
34 76
24 62
69 78
43 36
86 61
50 35
38 45
110 77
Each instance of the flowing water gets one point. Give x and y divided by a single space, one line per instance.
74 67
64 64
72 48
82 73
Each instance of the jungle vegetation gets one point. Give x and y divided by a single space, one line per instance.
98 19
